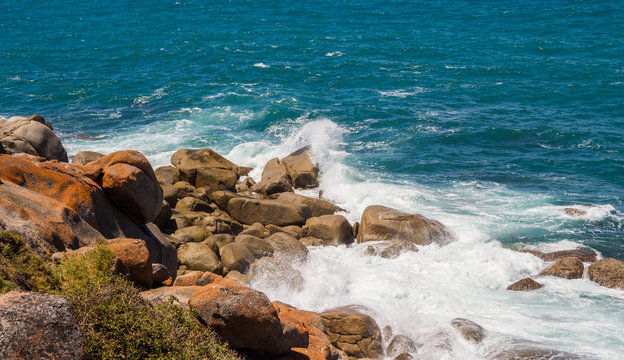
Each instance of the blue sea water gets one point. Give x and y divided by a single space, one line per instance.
491 116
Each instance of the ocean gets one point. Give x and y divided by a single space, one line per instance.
491 117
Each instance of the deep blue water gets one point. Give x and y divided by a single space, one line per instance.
527 95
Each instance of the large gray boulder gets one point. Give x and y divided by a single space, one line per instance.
31 135
38 326
267 211
205 167
380 223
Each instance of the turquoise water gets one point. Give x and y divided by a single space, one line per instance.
490 116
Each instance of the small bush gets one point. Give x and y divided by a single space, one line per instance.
21 269
118 324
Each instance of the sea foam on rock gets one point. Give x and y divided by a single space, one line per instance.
380 223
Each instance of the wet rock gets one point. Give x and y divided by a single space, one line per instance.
245 318
276 273
386 332
318 207
400 344
236 257
353 332
133 259
177 295
29 136
404 356
167 174
585 255
469 330
575 212
85 157
331 229
286 246
514 349
567 268
303 173
380 223
266 211
199 257
38 326
391 249
525 284
275 179
607 272
258 247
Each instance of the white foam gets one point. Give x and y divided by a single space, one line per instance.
334 53
401 93
155 95
261 65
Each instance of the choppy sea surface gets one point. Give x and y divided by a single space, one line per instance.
490 116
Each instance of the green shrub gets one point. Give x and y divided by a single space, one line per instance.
21 269
118 324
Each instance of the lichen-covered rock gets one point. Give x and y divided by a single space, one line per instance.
44 223
525 284
199 257
380 223
607 272
353 332
319 346
31 136
469 330
303 173
38 326
179 295
246 318
275 179
567 268
132 258
331 229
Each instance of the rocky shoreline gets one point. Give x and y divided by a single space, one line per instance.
200 230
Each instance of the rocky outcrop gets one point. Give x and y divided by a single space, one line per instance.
330 229
38 326
469 330
525 284
303 173
607 272
275 179
47 225
31 135
380 223
353 332
246 319
132 258
567 268
574 212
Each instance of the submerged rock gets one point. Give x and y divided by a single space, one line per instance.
525 285
469 330
400 344
608 273
567 268
585 255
